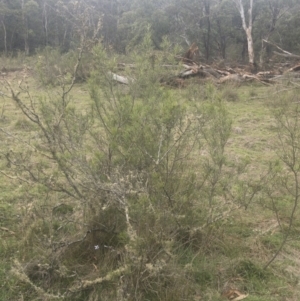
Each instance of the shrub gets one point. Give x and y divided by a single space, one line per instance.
129 188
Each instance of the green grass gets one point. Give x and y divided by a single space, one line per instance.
231 252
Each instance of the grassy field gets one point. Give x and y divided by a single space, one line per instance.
234 251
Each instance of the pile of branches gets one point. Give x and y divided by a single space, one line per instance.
191 68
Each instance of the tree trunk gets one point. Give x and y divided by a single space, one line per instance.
250 45
247 28
221 41
208 28
26 40
12 40
26 34
5 37
45 13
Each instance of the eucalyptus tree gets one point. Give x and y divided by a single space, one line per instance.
247 25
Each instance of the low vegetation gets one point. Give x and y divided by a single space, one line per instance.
144 191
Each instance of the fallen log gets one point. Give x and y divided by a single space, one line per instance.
294 69
187 73
120 79
238 78
189 70
285 53
265 74
222 72
230 78
122 66
201 70
212 72
254 77
288 55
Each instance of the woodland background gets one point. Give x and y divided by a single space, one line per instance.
214 25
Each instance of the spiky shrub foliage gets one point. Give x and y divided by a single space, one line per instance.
147 136
282 191
130 184
55 68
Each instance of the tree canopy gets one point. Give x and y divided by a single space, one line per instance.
215 26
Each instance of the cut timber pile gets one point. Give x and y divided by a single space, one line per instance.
190 68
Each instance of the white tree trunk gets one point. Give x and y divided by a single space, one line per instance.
250 46
247 28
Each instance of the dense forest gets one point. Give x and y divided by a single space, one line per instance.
217 27
149 150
